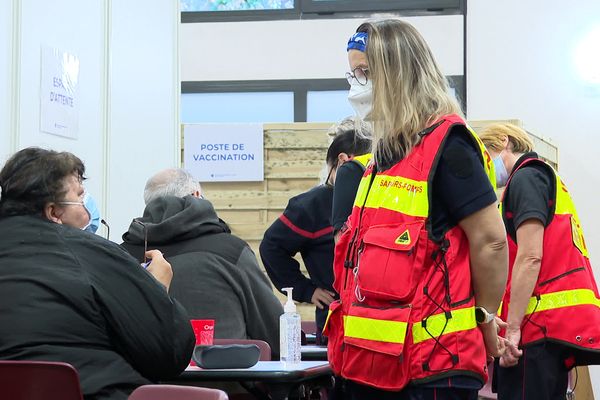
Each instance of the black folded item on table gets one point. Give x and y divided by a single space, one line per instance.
226 356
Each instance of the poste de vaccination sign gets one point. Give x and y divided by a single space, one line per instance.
224 152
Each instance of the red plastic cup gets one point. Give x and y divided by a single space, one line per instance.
204 330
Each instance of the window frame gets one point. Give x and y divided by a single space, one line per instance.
336 6
300 88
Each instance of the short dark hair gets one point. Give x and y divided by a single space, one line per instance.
33 177
348 142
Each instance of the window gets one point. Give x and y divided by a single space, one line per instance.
237 107
424 6
293 100
253 10
327 106
235 5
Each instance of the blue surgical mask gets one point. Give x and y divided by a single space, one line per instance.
92 209
501 172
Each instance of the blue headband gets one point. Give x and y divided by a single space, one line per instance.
358 41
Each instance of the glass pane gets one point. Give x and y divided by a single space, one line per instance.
237 107
327 106
235 5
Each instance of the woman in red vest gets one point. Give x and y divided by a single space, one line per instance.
551 302
421 262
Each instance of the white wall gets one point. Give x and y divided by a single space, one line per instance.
520 65
128 90
143 102
6 31
303 49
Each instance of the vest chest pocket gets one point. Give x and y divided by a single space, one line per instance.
391 261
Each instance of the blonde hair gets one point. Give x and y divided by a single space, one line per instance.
494 136
409 90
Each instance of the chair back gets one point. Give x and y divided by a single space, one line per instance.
170 392
265 349
309 327
38 380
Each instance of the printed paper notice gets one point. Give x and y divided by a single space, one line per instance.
59 108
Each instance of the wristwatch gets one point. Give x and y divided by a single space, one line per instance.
483 316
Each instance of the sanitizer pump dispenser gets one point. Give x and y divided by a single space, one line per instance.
289 332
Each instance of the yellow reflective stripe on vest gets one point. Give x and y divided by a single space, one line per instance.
374 329
565 206
566 298
361 192
462 320
564 202
394 193
363 159
488 163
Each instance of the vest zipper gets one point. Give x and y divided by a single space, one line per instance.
547 281
400 306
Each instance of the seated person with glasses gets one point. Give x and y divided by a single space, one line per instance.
72 296
215 274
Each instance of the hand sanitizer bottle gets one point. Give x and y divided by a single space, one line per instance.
289 332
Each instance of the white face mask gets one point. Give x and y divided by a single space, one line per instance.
361 98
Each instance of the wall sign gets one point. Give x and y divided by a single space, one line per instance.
59 108
224 152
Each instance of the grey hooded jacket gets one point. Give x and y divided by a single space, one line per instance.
215 274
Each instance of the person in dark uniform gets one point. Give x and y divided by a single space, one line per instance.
305 228
551 300
348 174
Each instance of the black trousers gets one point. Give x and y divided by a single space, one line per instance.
540 374
356 391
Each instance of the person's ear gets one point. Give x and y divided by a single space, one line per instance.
53 213
343 157
505 143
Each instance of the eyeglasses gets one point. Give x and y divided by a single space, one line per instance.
70 203
360 74
73 203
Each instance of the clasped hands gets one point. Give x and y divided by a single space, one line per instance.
506 348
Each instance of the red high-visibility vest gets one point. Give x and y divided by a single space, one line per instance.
565 305
362 161
406 309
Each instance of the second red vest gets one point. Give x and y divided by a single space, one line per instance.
565 305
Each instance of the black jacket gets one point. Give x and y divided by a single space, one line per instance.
69 295
305 228
215 274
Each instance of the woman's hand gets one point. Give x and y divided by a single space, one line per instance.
159 268
495 345
512 354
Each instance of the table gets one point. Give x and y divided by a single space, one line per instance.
314 353
279 379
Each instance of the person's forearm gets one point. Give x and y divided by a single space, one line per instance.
524 276
488 272
530 238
